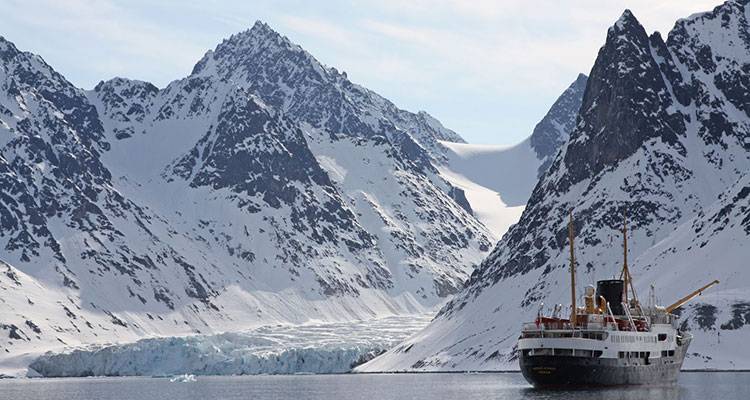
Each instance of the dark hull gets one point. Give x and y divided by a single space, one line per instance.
568 371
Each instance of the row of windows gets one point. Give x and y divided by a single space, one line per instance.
565 334
633 339
594 335
643 354
633 354
563 352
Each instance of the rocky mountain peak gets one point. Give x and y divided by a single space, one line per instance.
262 28
288 78
627 34
122 90
555 128
7 49
252 47
626 103
580 81
27 73
260 34
125 101
627 18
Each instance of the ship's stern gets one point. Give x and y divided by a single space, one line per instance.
556 371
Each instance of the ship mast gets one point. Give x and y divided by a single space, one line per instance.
572 272
625 274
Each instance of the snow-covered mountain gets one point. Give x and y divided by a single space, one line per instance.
663 135
498 180
290 80
263 188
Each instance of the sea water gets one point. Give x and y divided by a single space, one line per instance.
497 386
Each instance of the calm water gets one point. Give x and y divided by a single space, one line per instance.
712 386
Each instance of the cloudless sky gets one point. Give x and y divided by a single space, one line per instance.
487 69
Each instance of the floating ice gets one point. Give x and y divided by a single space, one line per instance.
183 378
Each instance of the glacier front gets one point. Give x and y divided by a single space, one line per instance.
281 349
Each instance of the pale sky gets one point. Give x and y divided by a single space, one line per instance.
487 69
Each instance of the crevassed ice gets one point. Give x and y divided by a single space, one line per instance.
282 349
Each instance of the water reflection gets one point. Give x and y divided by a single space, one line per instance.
666 392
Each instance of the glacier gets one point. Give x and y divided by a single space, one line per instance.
320 348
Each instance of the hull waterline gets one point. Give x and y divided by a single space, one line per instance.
569 371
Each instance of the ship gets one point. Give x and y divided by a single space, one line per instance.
612 340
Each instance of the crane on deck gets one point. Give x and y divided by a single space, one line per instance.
679 303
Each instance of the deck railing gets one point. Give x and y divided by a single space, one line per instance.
564 333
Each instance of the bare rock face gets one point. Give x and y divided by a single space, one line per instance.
553 131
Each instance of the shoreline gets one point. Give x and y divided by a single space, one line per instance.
8 377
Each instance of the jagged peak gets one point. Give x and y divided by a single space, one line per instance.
9 53
119 82
249 46
741 3
626 22
260 37
260 32
549 134
731 17
260 27
627 29
727 8
6 44
8 50
578 85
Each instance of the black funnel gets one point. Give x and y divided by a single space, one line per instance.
611 290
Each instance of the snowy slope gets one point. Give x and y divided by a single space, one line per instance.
264 188
498 180
710 245
662 135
